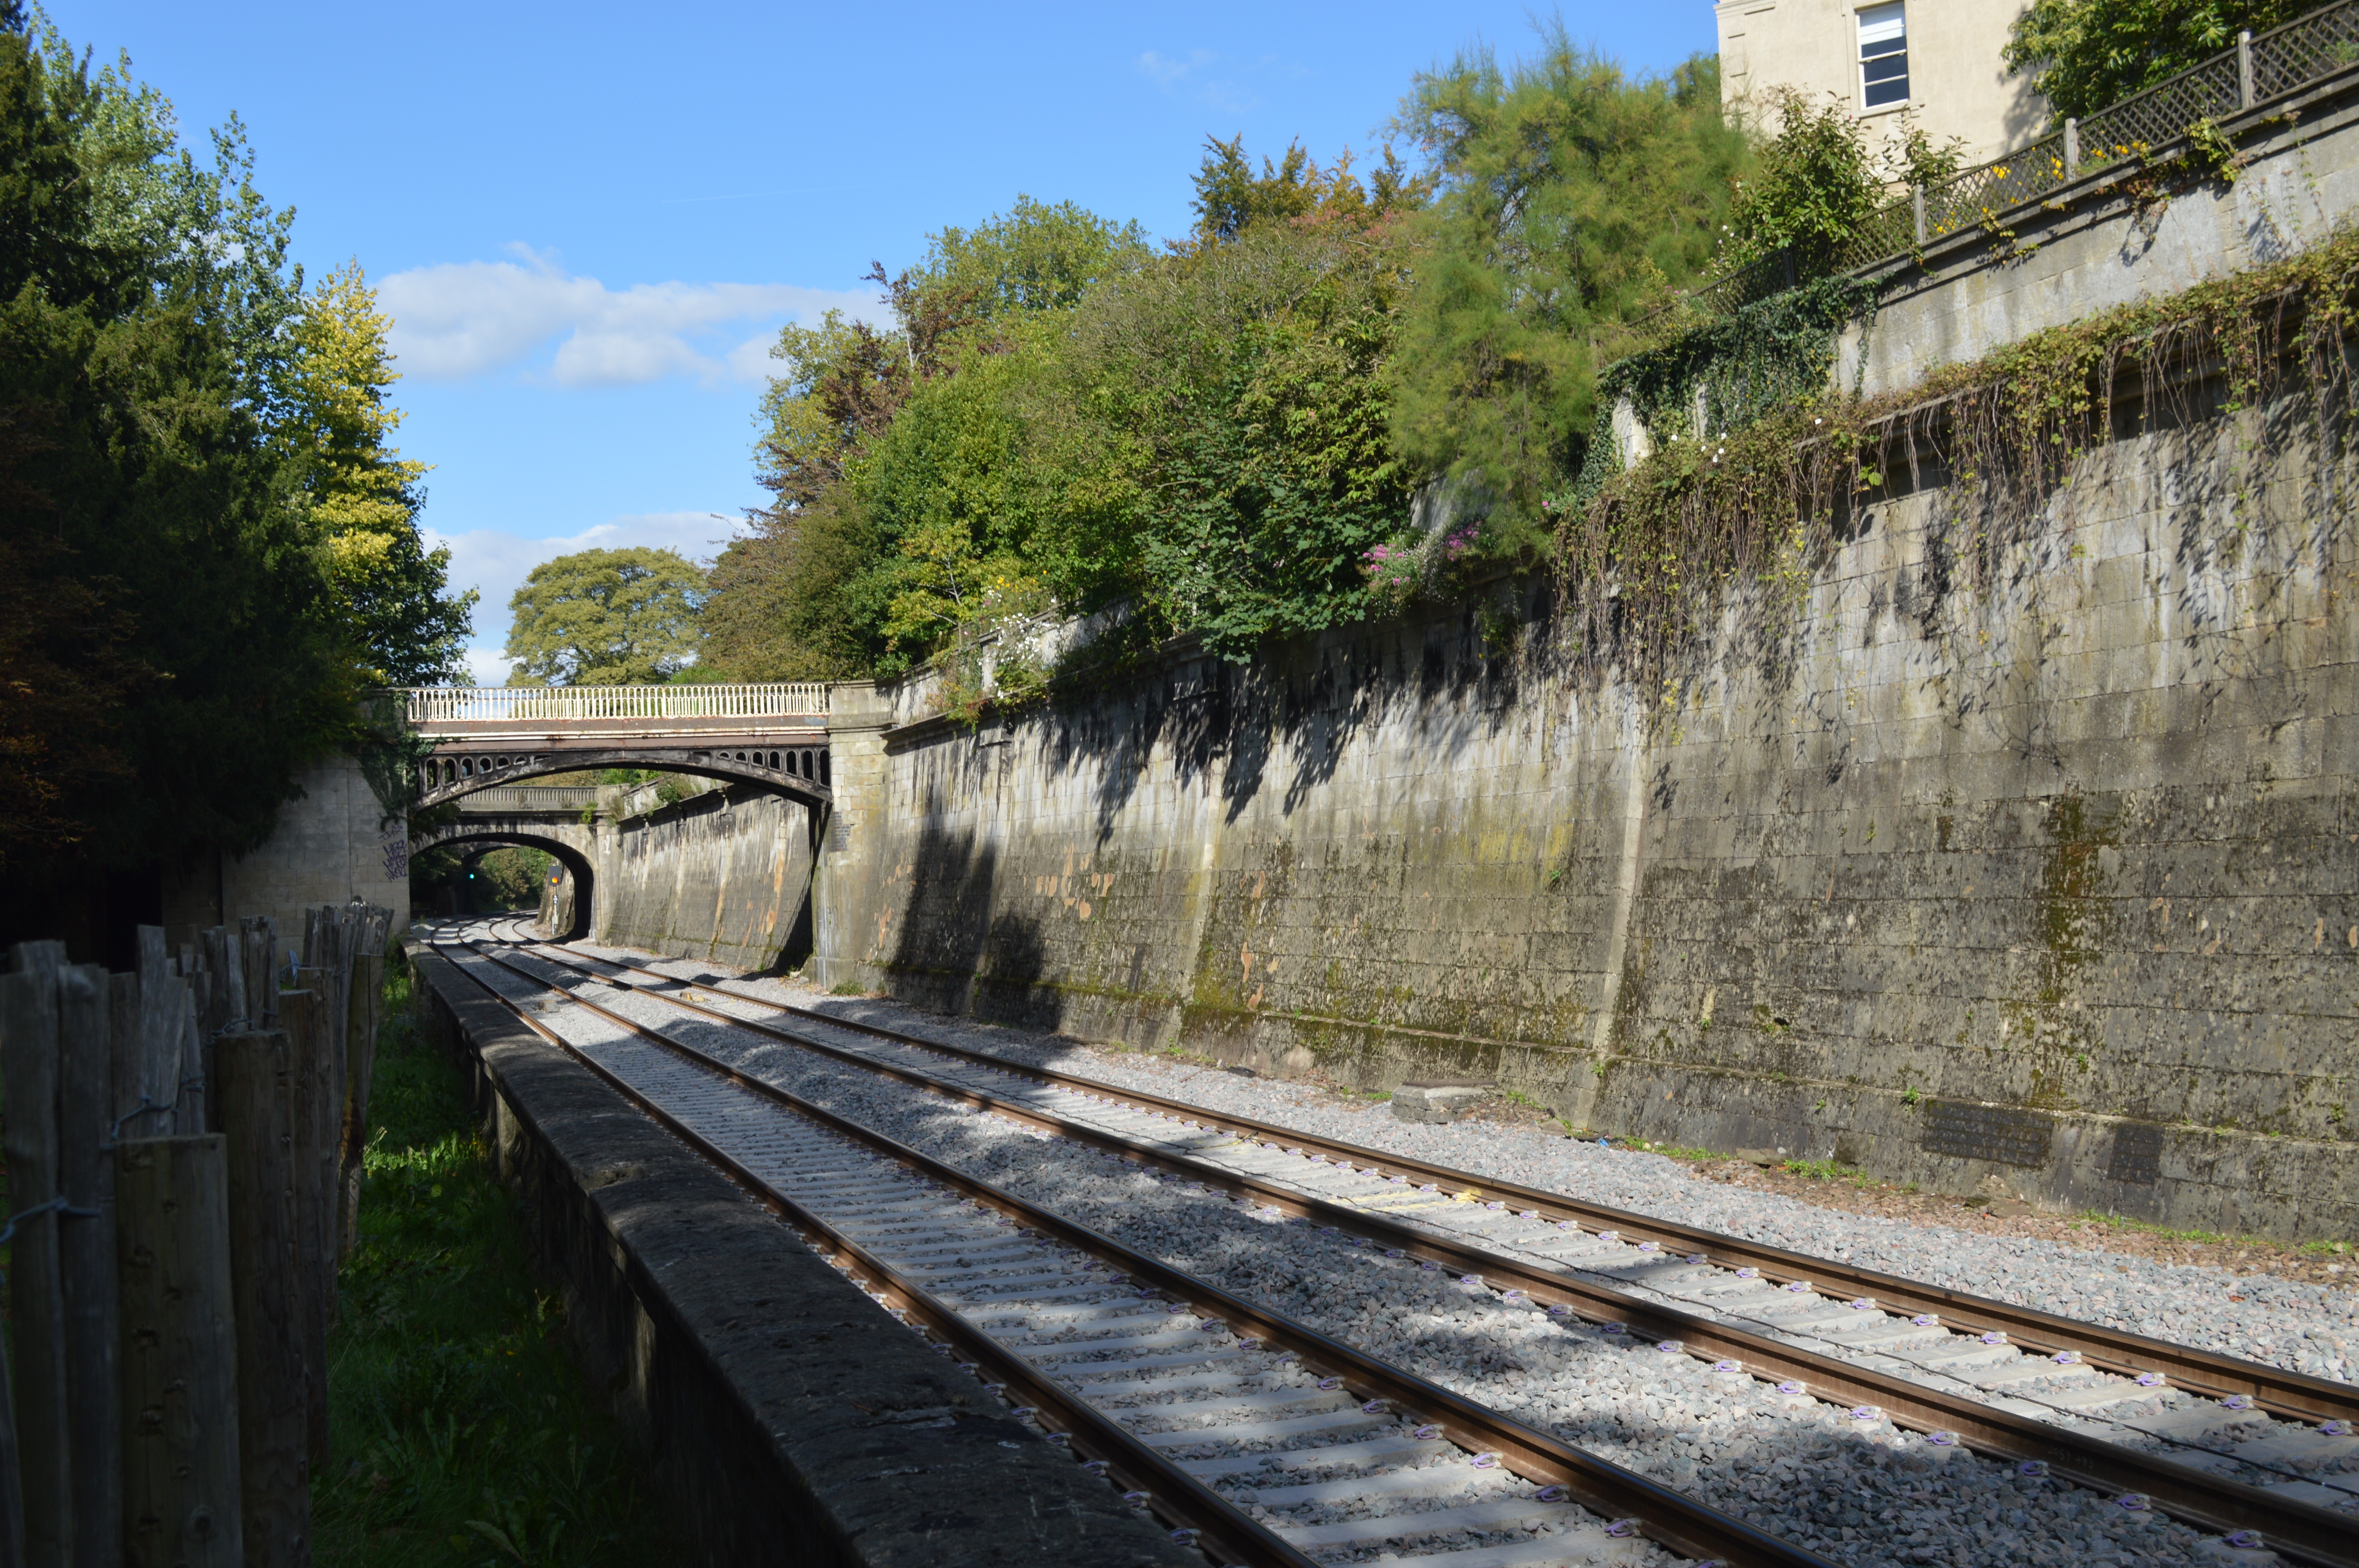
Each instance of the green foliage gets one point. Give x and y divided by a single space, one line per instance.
144 514
1770 355
512 875
1063 419
1231 198
2086 55
945 489
1035 256
180 223
1233 402
605 618
462 1428
854 573
206 550
1820 178
1574 196
1825 1170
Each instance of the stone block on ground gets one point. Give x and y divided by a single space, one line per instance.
1440 1099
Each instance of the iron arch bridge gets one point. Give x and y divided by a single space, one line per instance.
483 737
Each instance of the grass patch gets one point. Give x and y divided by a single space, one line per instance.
2210 1237
2118 1222
1827 1171
463 1433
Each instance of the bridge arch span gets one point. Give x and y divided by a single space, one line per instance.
799 772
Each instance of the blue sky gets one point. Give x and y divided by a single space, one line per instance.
589 219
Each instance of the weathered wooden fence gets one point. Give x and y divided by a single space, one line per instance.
183 1148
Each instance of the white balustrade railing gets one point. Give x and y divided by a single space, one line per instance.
429 706
530 797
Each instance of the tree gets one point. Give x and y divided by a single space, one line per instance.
1574 196
1035 256
1231 198
512 875
143 517
1226 458
2086 55
606 618
1819 179
391 591
868 551
207 228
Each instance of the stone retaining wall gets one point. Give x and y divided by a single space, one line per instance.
783 1416
1987 859
722 875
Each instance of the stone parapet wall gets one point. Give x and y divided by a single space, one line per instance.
2041 873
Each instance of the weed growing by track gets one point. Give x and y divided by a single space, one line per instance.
463 1432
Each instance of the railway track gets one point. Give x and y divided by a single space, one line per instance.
1726 1299
1165 1383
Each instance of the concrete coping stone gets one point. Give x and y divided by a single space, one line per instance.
786 1419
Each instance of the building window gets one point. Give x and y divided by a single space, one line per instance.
1883 55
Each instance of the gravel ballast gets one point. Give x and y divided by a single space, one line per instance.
2283 1323
1854 1489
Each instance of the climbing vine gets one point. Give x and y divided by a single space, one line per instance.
1759 463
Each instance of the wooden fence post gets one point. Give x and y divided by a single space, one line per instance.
28 1061
225 1003
86 1264
189 1067
317 1123
367 1016
156 1087
257 952
179 1354
331 941
257 1109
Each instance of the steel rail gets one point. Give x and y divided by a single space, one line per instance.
2287 1394
1662 1514
2312 1533
1174 1494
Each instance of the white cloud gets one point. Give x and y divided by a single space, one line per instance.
1167 70
457 321
1174 72
494 564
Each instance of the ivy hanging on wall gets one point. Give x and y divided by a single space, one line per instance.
1758 459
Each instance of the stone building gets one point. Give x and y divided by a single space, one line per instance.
1936 63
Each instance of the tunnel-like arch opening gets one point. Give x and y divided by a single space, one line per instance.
576 864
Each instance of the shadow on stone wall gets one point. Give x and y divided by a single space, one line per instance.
1455 675
953 952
